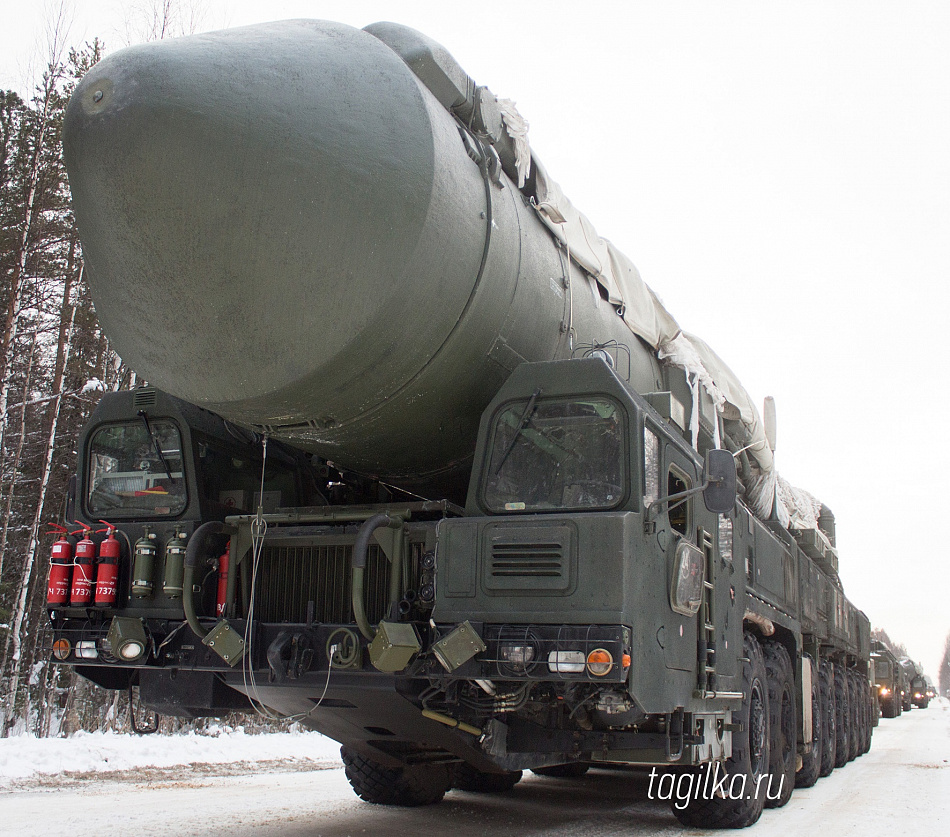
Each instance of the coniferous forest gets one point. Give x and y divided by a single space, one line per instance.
56 363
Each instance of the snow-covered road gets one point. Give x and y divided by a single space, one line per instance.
293 786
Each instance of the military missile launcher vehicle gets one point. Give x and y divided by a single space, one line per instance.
920 690
888 679
909 674
422 463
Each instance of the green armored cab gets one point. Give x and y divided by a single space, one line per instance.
453 487
888 677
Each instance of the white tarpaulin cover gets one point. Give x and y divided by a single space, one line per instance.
641 309
645 315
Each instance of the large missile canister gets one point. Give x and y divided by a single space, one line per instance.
283 224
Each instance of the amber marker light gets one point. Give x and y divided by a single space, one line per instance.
61 649
599 662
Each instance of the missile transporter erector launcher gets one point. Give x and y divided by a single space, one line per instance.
888 680
425 465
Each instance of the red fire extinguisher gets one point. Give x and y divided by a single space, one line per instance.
107 571
223 563
84 562
61 569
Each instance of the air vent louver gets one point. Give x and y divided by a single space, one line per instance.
527 560
144 398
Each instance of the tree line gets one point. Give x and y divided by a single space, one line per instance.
55 364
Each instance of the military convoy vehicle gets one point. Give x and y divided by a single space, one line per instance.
888 679
909 674
920 690
422 463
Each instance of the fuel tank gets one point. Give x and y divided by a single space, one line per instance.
283 224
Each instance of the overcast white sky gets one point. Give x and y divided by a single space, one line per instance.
780 174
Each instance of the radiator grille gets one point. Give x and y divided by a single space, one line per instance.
290 576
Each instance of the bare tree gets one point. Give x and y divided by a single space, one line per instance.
153 20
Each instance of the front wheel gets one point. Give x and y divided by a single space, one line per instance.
407 786
744 774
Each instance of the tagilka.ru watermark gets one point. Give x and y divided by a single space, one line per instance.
682 788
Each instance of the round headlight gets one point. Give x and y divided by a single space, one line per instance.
131 650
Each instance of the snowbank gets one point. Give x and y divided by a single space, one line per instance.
24 756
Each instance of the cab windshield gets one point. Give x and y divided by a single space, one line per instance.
555 455
135 468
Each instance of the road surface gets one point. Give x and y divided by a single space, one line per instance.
901 784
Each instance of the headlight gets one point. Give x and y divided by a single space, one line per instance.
566 662
689 571
127 638
517 656
86 649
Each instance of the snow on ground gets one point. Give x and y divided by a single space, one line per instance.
291 785
24 756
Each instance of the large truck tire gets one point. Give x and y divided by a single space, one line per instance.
573 770
871 715
750 755
472 780
829 715
811 761
842 717
783 725
408 787
889 707
857 716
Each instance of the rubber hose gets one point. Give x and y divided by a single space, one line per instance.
196 548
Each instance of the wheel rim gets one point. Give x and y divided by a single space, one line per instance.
758 729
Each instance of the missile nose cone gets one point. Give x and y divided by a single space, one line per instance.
225 186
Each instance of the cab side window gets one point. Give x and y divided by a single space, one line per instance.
676 483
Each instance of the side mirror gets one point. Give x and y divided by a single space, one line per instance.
719 481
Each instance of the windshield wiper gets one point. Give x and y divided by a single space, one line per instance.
158 448
525 418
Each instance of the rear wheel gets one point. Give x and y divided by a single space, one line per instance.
829 717
408 786
783 725
574 770
811 761
750 756
842 717
857 716
468 778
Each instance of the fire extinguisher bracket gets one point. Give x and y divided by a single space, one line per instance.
225 642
